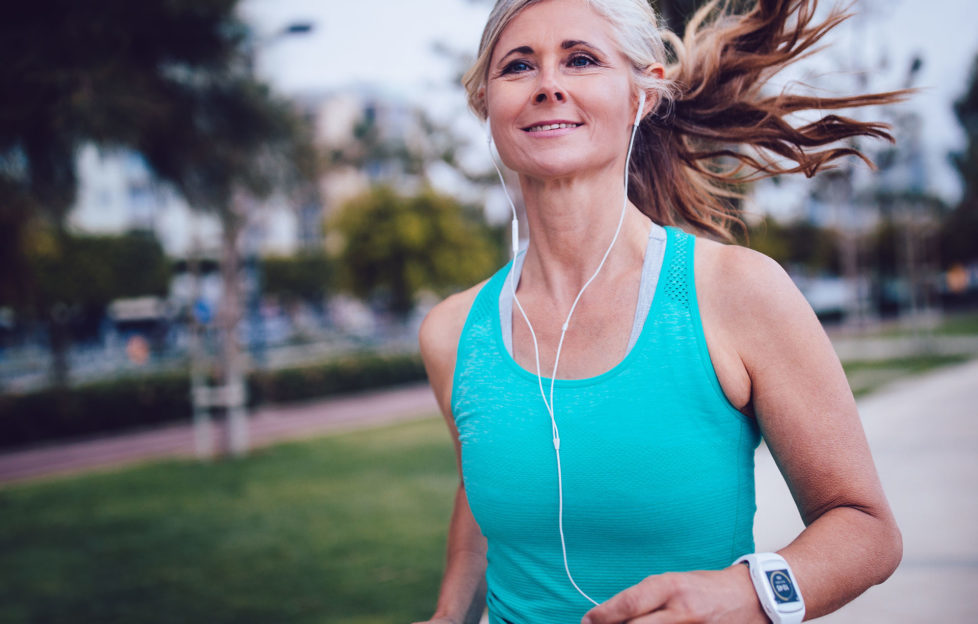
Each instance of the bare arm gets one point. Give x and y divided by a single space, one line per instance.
809 419
774 361
462 595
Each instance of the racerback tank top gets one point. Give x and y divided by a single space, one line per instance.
657 464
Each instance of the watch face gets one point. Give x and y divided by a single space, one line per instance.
781 585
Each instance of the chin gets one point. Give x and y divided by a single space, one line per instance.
554 169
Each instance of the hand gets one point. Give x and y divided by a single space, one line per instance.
706 596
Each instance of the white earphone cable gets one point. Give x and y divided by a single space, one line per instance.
563 330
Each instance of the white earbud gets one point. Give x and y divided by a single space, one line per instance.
553 376
515 226
641 105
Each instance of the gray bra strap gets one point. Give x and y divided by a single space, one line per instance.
651 266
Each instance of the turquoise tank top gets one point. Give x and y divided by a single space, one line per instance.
658 467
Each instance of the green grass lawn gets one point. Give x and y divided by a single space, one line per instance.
963 324
950 324
869 375
347 529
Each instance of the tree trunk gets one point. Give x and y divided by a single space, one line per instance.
60 342
231 368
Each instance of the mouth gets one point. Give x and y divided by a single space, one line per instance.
552 125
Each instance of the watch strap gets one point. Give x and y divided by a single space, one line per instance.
758 563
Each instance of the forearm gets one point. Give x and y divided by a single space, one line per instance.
463 584
842 554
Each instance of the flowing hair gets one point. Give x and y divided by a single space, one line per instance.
712 128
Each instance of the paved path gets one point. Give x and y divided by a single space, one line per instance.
924 435
268 426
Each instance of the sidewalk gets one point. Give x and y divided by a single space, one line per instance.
268 425
924 436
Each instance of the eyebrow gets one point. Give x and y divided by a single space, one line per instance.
573 43
565 45
519 50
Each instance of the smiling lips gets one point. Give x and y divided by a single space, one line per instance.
552 125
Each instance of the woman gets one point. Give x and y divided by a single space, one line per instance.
620 487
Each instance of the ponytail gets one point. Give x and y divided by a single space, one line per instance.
718 114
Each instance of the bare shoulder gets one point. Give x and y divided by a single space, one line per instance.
439 335
754 316
749 287
733 268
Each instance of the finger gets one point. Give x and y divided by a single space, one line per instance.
644 598
662 616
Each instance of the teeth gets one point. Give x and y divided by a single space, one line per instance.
555 126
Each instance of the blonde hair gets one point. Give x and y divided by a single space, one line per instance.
633 21
709 107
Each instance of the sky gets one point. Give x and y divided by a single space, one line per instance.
388 46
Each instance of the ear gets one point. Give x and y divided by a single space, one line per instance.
480 104
658 72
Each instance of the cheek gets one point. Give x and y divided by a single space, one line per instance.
504 102
616 104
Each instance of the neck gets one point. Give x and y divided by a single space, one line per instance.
572 222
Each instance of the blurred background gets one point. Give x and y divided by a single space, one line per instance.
213 210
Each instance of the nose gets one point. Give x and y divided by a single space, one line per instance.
544 95
549 90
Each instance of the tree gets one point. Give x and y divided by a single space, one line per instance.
676 13
170 79
798 244
304 277
75 276
73 75
959 231
391 247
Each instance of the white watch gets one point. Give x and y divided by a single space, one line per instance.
776 587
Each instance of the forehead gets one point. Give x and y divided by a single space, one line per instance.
547 24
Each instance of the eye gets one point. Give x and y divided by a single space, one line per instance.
516 67
581 60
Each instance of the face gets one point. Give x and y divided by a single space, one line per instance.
559 93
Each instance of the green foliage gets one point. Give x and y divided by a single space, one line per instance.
126 404
959 232
226 133
797 244
88 271
677 13
169 79
392 247
16 206
303 277
347 529
885 242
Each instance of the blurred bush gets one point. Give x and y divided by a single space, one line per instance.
128 404
122 404
346 374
